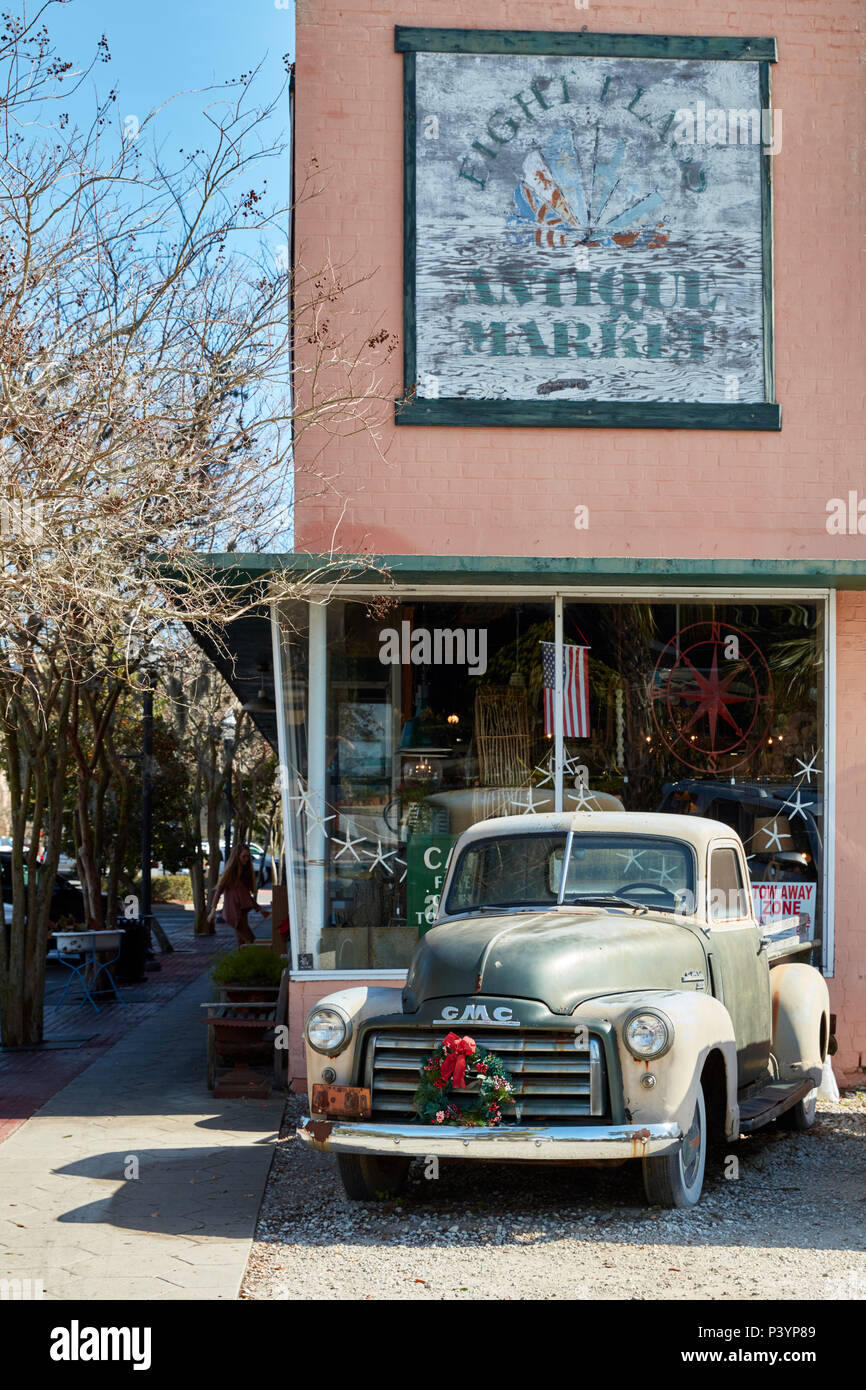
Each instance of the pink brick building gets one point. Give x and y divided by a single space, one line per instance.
629 416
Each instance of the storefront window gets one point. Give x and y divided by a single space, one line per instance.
426 716
431 726
714 710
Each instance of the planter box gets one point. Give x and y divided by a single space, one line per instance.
245 1042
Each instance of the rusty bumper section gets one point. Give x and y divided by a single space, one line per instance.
574 1142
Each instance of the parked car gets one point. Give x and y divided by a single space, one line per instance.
613 962
67 896
264 871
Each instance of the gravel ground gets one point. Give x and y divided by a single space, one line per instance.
792 1225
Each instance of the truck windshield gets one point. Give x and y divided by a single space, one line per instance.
527 871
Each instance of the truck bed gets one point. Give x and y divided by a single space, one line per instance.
786 941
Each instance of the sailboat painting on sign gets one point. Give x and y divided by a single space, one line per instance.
555 204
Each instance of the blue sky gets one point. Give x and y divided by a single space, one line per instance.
161 47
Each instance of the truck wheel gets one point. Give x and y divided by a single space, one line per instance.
802 1115
372 1177
677 1179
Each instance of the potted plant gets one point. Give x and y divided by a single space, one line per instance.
253 972
241 1026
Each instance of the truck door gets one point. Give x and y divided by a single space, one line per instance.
741 974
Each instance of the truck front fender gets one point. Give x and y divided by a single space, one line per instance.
801 1020
703 1038
355 1004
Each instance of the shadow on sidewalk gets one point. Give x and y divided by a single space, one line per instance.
192 1192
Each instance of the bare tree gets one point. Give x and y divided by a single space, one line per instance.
199 702
148 406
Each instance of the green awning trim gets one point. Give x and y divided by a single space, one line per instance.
549 571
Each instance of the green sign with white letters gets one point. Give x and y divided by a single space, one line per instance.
427 859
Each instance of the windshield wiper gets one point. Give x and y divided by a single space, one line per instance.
606 898
505 907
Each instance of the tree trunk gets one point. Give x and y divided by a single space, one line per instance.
87 865
214 796
12 992
200 896
118 854
89 817
36 767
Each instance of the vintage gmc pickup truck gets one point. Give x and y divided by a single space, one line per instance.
613 963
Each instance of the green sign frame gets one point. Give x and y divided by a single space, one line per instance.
605 414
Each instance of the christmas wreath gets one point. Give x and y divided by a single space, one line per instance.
452 1067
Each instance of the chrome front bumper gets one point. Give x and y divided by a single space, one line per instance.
572 1142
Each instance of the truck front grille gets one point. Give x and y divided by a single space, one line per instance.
554 1080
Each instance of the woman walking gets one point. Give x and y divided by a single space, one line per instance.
238 885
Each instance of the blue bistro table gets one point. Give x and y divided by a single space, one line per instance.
77 950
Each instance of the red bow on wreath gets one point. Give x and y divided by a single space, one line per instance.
454 1062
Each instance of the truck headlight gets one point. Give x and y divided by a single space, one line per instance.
328 1030
648 1034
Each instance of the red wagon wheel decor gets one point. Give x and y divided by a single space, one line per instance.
712 697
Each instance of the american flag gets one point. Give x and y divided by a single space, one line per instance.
575 689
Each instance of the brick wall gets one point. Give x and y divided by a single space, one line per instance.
303 996
509 492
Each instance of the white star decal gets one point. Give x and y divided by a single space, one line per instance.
303 796
774 837
349 844
381 858
403 875
546 769
797 807
305 802
632 856
584 802
664 872
528 807
809 767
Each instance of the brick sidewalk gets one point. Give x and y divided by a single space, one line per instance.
28 1079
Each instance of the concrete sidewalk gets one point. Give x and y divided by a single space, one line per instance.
133 1182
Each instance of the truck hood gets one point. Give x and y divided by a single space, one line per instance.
558 958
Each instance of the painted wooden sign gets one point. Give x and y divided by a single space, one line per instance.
587 237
